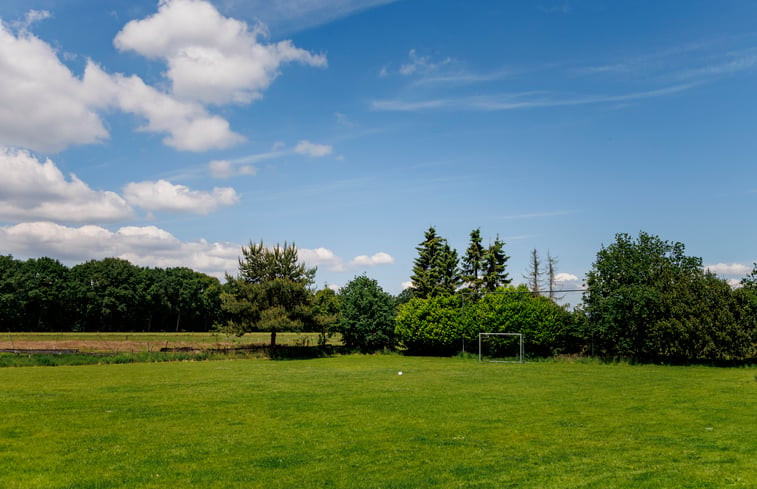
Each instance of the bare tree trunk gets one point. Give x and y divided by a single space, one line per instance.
273 338
178 319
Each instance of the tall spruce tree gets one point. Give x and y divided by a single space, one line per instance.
473 262
435 270
425 270
449 272
495 263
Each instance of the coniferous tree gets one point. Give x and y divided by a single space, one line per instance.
425 268
495 264
534 273
473 262
449 272
551 274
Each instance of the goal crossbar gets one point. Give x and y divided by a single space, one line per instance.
520 343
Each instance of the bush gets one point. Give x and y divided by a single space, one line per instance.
366 319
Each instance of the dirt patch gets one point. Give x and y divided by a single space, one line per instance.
115 346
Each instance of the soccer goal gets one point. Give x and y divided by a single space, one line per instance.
500 347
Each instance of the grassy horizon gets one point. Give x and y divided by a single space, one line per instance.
351 421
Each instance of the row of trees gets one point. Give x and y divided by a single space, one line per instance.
645 298
104 295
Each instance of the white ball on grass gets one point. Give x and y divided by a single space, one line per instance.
399 373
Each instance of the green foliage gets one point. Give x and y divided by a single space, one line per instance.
435 270
366 315
547 328
647 299
324 311
440 325
271 292
495 263
431 326
474 262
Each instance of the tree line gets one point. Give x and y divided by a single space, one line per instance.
42 294
645 298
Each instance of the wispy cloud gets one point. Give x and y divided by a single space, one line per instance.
288 16
526 100
243 165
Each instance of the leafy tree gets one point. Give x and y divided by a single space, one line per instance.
495 263
325 313
647 299
105 294
271 292
474 262
366 315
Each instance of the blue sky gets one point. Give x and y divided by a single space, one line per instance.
170 133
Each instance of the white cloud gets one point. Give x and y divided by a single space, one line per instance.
210 58
141 245
729 269
321 257
314 150
165 196
379 258
565 277
144 246
32 190
295 15
189 126
421 64
734 283
407 285
44 107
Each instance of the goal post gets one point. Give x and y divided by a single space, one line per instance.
483 336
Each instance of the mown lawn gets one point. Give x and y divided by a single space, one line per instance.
351 421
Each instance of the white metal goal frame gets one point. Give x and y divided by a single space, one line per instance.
520 342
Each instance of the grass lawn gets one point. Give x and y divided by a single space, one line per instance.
351 421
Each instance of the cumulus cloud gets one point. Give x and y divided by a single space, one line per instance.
729 269
566 277
144 246
188 124
312 149
141 245
162 195
407 285
379 258
44 107
31 189
321 257
210 58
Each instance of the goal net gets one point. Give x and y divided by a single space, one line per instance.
500 347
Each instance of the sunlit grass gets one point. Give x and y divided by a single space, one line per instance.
351 421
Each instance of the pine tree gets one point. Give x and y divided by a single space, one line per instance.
473 262
449 272
425 270
495 261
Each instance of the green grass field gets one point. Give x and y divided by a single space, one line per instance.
351 421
